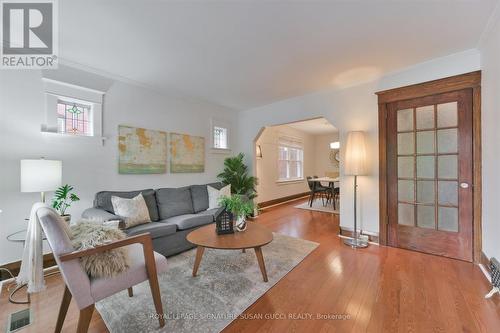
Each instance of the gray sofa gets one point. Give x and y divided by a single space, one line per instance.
174 213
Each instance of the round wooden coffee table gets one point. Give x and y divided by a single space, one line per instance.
255 236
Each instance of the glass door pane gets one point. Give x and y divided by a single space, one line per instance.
427 160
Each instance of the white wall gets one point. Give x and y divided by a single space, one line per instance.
490 112
87 165
322 161
267 166
349 109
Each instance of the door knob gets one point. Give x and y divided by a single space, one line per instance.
464 185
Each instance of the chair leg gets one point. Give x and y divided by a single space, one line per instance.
84 319
155 291
312 198
63 309
153 281
130 292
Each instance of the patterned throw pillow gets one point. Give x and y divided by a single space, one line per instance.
214 195
133 211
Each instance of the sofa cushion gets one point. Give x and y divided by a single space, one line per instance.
156 229
199 196
188 221
103 200
174 202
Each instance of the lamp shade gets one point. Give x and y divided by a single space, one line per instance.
40 175
355 154
334 145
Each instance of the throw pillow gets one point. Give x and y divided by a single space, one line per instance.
214 195
106 264
133 211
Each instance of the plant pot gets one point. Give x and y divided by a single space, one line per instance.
66 218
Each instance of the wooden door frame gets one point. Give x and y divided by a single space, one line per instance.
464 81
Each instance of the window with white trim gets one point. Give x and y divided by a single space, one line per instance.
290 160
220 132
220 137
72 111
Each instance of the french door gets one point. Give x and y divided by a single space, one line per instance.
430 174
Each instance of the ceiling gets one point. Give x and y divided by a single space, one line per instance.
316 126
244 54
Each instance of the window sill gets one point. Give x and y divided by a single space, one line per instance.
220 150
289 181
95 138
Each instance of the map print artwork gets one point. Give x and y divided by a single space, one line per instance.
141 151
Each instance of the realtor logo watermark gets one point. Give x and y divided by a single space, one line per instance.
29 33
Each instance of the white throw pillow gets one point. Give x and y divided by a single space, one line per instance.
214 195
134 211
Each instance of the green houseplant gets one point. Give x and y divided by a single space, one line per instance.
236 174
240 208
63 199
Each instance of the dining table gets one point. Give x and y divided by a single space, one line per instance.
328 180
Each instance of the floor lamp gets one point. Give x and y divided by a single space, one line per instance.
355 165
36 176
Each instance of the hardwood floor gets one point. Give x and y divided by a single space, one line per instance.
378 289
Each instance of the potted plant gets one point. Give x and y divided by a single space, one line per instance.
240 208
236 173
63 198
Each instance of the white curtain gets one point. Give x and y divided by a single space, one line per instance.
31 271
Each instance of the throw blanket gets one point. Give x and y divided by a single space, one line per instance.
31 271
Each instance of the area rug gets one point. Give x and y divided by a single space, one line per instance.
318 206
228 282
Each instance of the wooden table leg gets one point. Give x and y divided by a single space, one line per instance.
260 259
243 250
197 260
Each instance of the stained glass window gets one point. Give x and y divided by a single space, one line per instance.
74 118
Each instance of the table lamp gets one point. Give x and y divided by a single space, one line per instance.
40 176
355 165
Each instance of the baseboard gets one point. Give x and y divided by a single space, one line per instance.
348 232
277 201
48 261
485 261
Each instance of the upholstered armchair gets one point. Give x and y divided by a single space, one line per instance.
145 264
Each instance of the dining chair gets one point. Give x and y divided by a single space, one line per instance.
315 188
144 264
320 186
333 195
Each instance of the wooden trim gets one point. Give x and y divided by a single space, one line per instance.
14 267
382 139
372 237
470 80
272 202
485 261
452 83
477 174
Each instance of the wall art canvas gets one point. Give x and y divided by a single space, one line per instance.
141 151
187 153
